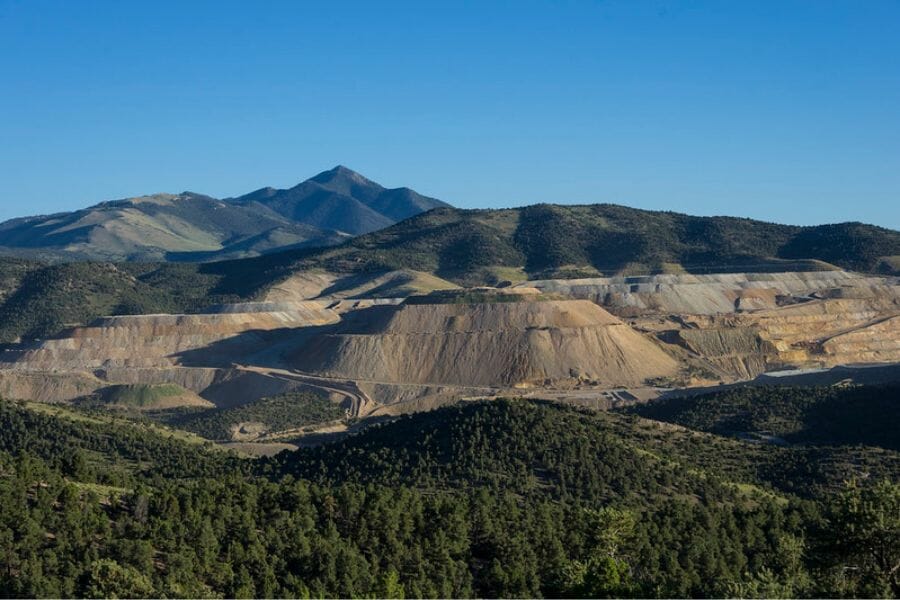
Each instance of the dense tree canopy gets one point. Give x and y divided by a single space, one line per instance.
504 498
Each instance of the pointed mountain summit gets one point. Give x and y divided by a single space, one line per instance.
343 200
325 210
342 176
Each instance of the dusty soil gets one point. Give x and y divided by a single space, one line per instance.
612 341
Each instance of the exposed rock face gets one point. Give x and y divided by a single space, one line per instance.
720 293
875 342
744 325
821 333
739 352
832 332
488 344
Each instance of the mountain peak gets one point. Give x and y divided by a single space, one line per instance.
341 173
341 199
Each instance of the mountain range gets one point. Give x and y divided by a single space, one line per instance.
325 210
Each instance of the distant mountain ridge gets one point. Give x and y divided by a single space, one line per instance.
342 200
325 210
543 241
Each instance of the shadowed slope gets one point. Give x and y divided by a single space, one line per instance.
343 200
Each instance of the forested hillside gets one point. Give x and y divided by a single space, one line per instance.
38 300
546 449
830 416
510 498
283 412
546 240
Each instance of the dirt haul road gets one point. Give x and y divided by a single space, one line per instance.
360 403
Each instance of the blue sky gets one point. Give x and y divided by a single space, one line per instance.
785 111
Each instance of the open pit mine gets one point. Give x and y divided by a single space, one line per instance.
596 341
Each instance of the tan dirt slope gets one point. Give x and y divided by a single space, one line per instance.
432 350
159 340
196 352
489 344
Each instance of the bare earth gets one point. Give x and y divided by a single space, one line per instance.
596 342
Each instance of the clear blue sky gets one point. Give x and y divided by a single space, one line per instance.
781 110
